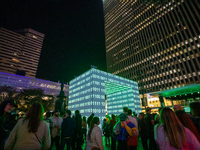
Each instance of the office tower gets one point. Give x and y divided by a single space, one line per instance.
155 43
20 50
10 46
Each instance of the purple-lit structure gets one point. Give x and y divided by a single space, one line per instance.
23 82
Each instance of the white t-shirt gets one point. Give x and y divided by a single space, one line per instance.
56 121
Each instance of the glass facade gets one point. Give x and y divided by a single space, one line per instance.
102 93
155 43
22 82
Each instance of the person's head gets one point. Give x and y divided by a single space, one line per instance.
134 114
94 121
84 118
104 119
92 114
68 113
7 106
129 112
78 117
113 116
125 109
123 117
141 115
48 114
148 110
34 116
172 127
195 109
177 107
159 110
56 113
77 112
187 122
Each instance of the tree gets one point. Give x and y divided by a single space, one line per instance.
7 92
28 96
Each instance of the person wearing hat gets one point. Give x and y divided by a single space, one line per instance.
123 129
5 107
55 136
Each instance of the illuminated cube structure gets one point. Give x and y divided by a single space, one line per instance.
90 92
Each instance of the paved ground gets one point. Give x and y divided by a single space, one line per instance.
109 147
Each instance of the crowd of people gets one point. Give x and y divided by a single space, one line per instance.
167 130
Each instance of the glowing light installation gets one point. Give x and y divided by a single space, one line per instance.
87 93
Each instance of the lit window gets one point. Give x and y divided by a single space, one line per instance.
16 60
34 36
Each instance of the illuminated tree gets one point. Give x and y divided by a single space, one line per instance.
7 92
27 97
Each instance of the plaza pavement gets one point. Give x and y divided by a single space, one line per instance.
106 147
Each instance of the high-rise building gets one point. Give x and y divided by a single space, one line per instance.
153 42
20 50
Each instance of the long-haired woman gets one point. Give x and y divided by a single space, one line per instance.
187 122
171 134
94 138
31 133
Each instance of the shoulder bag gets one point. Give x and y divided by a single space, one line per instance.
37 138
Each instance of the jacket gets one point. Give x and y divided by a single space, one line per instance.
96 139
160 137
126 131
67 128
20 138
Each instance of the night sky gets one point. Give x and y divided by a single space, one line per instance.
74 34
